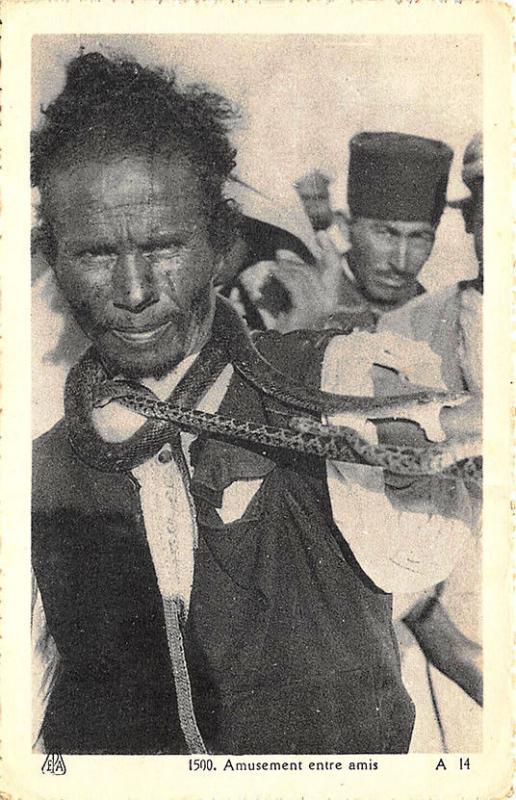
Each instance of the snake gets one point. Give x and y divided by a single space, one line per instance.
88 386
229 327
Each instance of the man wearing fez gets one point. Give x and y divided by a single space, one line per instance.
396 195
195 594
450 322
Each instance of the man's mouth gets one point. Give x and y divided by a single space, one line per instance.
141 336
392 282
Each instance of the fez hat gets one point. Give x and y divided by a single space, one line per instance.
394 176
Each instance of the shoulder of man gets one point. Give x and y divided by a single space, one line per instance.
61 480
420 317
52 463
50 445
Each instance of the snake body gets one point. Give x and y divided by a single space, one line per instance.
303 435
257 371
88 386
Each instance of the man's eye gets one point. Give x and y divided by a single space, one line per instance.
157 253
95 255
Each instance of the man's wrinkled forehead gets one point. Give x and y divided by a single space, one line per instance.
402 226
121 181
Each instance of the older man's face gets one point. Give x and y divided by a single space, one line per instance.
387 256
134 259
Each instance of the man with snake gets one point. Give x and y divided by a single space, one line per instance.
200 583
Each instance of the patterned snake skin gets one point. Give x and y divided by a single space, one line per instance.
88 386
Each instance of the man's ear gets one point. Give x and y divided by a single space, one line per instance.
43 243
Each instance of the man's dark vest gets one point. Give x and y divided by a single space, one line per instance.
289 645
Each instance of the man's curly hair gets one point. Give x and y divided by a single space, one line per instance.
116 105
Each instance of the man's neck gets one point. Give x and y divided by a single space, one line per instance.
163 386
115 423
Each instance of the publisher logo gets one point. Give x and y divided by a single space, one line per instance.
53 765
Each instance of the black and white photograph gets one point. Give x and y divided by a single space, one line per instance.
257 401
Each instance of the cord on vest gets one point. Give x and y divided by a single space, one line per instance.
193 737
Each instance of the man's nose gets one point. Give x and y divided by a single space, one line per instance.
133 283
399 257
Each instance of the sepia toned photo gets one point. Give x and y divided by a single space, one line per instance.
257 410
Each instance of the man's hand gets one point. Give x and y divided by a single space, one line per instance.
330 266
308 294
464 420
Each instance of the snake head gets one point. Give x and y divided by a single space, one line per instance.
108 391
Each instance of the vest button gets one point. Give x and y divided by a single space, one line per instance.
165 455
